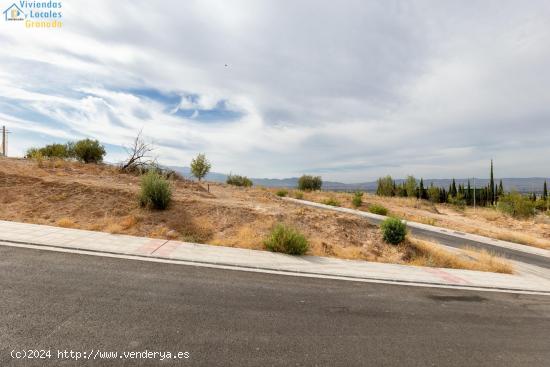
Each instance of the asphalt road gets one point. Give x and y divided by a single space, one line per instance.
453 241
60 301
447 240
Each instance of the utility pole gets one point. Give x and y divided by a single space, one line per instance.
4 141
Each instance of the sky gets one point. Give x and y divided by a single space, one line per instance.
349 90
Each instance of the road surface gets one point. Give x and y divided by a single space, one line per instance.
447 239
60 301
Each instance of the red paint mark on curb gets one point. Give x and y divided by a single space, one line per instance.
150 247
166 250
453 279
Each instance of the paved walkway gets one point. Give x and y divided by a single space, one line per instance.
47 237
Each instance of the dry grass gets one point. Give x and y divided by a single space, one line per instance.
425 253
522 238
483 221
98 197
66 223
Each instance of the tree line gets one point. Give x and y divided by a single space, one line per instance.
461 194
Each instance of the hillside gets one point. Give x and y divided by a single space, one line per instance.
100 198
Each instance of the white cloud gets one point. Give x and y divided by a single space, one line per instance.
352 90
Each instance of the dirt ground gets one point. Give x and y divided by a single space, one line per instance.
98 197
483 221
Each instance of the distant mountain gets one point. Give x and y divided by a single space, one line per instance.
527 184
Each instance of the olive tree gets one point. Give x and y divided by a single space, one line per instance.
200 166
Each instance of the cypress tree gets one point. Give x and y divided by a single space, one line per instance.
469 194
452 190
421 192
491 191
500 189
545 191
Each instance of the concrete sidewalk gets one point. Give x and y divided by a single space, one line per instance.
47 237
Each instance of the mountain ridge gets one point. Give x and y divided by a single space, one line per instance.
521 184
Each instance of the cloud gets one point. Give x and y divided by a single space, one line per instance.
352 90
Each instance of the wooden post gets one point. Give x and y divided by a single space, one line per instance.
3 141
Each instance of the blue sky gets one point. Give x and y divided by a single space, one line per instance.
350 90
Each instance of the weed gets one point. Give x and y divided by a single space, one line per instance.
155 191
378 209
287 240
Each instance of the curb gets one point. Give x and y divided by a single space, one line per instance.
230 266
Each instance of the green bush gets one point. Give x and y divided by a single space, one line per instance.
282 193
286 240
33 153
56 150
331 202
310 183
433 194
516 205
357 199
87 151
155 191
378 209
237 180
299 195
385 186
542 204
393 230
457 201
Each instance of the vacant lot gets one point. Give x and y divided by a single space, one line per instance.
483 221
98 197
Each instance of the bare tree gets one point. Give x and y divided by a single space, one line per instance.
139 155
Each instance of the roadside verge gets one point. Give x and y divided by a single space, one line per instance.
141 248
527 254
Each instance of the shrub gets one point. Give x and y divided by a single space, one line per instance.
357 199
458 201
87 151
237 180
33 153
393 230
155 191
55 150
516 205
385 186
286 240
378 209
434 194
299 195
310 183
411 186
282 193
200 166
331 202
541 204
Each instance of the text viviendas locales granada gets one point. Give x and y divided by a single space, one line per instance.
42 14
